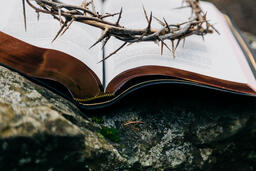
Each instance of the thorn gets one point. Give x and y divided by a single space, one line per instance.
145 13
38 15
149 23
162 48
203 37
187 6
62 27
163 44
104 34
166 24
114 52
184 41
24 14
159 21
177 44
69 24
105 41
109 15
59 11
173 49
204 16
214 29
119 17
166 46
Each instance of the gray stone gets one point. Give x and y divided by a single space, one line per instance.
41 130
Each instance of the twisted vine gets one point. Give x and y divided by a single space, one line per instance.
197 24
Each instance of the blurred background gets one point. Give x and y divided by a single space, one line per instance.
243 12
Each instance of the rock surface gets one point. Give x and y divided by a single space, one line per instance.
174 128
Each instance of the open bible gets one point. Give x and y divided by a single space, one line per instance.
223 62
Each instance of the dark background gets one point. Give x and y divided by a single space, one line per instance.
243 12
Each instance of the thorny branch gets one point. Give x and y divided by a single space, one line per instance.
87 14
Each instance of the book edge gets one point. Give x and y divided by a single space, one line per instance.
39 63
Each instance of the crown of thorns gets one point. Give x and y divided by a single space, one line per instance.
197 23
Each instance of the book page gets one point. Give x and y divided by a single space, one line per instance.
214 56
75 42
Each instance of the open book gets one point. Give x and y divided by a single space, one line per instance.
223 61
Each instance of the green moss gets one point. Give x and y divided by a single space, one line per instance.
110 133
123 146
100 135
98 120
252 156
